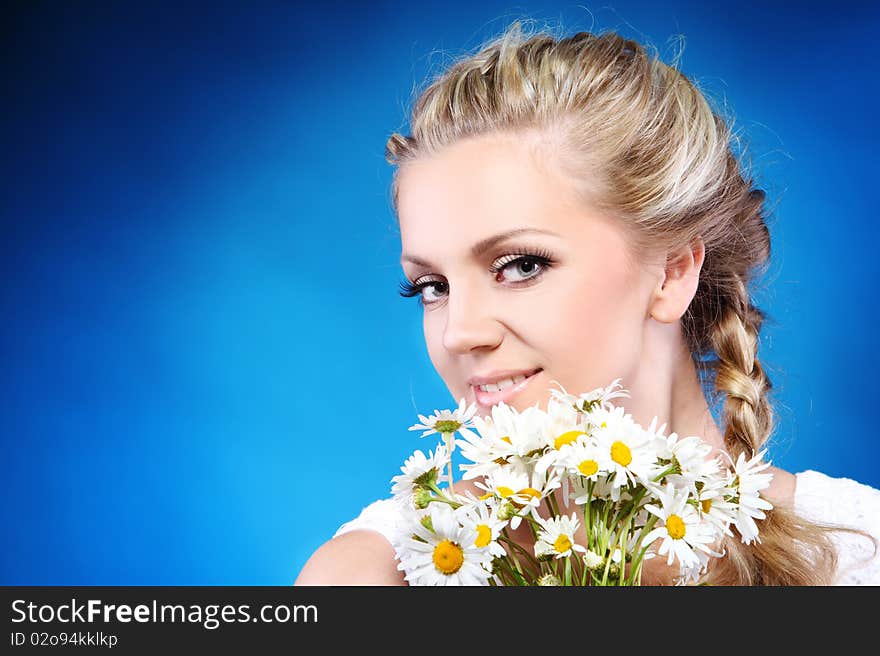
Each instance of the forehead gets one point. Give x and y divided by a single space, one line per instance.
478 187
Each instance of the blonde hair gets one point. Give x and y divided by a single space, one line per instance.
641 143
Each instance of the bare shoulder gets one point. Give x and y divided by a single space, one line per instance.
359 557
782 487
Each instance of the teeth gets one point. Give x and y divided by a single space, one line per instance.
502 384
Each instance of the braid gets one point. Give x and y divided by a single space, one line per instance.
783 556
748 412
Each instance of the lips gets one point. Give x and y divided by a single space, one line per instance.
488 399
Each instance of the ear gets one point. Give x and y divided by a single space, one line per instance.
676 289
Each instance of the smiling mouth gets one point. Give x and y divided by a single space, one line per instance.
489 398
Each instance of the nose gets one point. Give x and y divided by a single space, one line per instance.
470 323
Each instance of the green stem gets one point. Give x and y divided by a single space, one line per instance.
509 574
624 537
607 569
519 569
588 515
532 524
454 504
670 470
533 563
604 531
450 445
638 551
442 496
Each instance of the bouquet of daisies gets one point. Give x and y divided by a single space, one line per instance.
579 494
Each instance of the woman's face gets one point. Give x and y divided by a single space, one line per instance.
578 315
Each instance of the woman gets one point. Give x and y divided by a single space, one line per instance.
571 210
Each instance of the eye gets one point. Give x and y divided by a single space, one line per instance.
408 289
439 288
525 267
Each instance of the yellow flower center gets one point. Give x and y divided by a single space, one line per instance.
562 544
488 495
504 491
506 439
588 467
530 492
706 505
484 535
621 454
448 557
567 438
447 426
675 527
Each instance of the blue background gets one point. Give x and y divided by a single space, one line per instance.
206 366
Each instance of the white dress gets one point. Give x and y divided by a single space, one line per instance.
818 497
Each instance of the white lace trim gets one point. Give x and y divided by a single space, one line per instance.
380 516
844 502
821 498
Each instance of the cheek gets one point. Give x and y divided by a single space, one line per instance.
432 328
598 336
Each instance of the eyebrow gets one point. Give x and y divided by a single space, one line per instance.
484 244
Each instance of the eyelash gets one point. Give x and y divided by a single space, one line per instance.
542 257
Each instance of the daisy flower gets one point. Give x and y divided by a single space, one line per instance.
690 456
504 482
748 481
599 397
659 435
582 459
419 471
445 554
563 427
576 463
557 535
713 504
524 430
447 421
486 449
482 518
626 452
685 537
507 437
592 560
544 551
617 556
516 485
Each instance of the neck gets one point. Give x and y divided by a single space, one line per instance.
666 386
